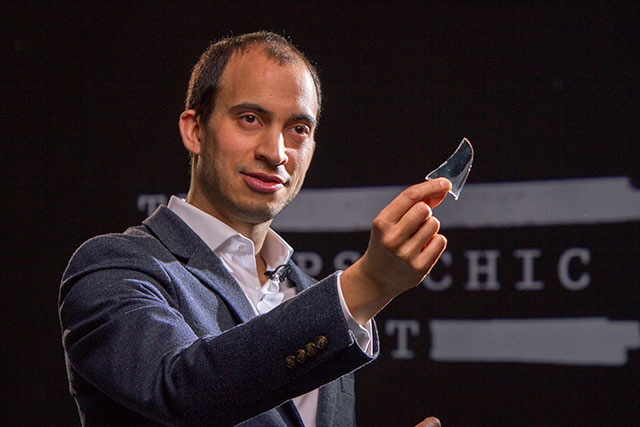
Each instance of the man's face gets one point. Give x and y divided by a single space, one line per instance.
258 143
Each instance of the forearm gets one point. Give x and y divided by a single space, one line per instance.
362 294
142 353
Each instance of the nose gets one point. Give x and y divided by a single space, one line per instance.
271 149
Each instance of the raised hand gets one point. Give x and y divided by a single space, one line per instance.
403 247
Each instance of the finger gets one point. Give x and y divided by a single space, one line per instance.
428 190
429 422
435 201
431 253
422 236
413 220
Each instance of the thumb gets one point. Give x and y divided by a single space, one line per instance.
429 422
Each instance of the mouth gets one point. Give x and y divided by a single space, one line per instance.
263 183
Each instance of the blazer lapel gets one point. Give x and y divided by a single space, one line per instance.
207 267
200 260
301 280
327 402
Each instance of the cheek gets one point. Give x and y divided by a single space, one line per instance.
297 167
228 144
299 161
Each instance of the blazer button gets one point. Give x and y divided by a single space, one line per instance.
291 362
301 356
311 349
321 342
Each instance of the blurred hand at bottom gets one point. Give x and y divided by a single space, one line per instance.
429 422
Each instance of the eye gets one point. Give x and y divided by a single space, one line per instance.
249 118
301 129
249 121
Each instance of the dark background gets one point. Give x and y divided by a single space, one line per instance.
92 93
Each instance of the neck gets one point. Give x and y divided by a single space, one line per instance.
254 232
261 267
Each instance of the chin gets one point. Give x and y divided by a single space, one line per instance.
256 211
258 214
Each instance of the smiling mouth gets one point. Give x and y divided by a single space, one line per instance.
263 183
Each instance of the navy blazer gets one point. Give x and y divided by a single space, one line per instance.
157 332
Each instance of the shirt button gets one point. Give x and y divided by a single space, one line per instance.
291 362
301 356
321 342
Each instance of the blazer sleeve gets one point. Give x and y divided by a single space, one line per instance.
124 333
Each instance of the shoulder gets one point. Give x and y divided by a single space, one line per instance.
114 272
114 249
162 236
134 253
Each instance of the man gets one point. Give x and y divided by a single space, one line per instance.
198 316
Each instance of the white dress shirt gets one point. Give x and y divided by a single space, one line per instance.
237 253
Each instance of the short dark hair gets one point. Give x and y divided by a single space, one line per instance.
204 83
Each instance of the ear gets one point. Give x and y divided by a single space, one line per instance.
190 131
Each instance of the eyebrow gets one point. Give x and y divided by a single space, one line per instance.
261 110
304 118
249 106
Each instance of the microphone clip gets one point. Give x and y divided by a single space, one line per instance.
280 273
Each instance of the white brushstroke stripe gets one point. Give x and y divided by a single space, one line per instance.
510 204
571 341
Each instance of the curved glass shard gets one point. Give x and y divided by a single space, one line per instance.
456 168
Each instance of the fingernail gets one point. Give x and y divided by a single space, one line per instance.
445 184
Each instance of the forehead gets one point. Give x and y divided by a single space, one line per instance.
253 77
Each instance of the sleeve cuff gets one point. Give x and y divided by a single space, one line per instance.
361 333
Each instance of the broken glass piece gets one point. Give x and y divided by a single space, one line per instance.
456 168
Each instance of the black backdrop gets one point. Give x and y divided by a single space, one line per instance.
92 93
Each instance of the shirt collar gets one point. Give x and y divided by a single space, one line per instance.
216 234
